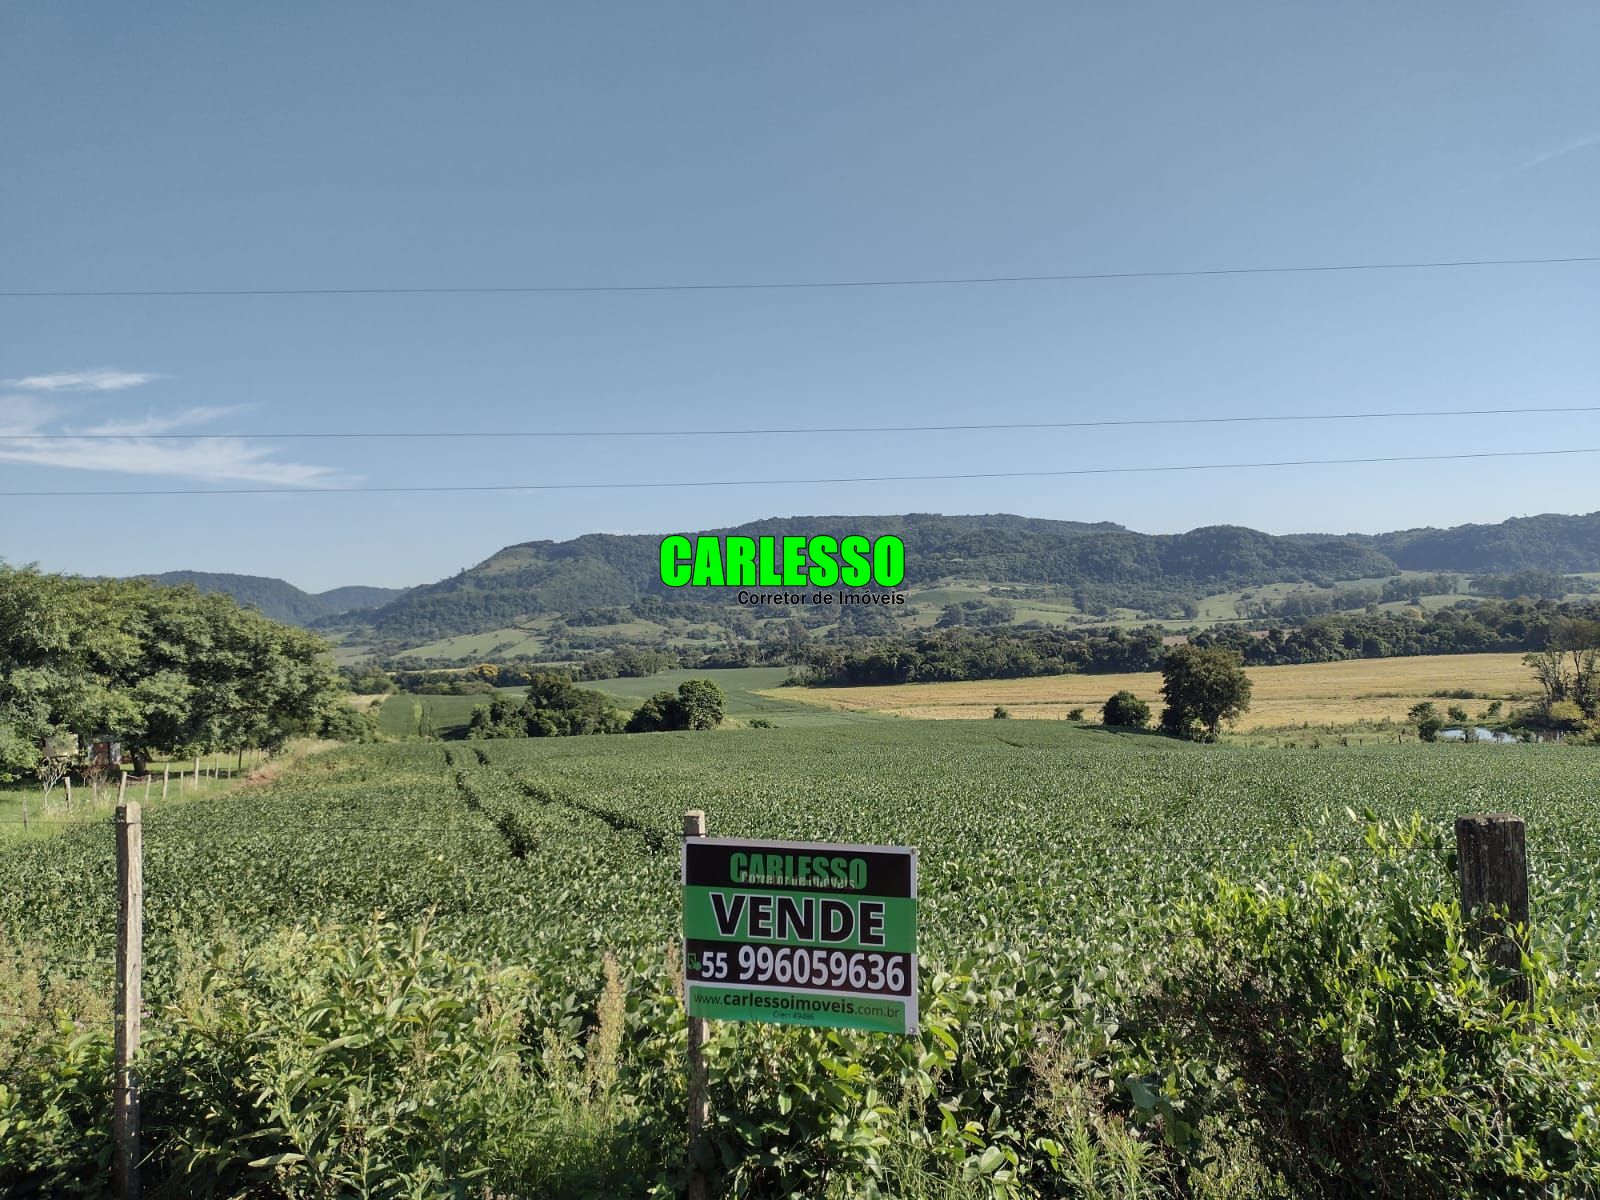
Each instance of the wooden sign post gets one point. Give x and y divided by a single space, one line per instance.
1492 857
694 825
130 1000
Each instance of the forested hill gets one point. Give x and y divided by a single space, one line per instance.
1549 542
1095 565
280 601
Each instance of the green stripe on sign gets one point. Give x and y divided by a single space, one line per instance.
880 1014
800 918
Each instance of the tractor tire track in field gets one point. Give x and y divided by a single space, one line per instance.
504 801
618 823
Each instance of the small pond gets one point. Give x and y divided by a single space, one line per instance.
1484 735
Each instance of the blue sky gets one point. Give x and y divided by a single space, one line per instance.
301 145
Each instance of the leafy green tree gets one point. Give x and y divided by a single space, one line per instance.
1457 712
1125 709
344 724
1203 688
698 704
371 681
702 704
163 669
1425 715
655 714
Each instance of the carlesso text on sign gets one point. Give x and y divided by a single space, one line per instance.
801 933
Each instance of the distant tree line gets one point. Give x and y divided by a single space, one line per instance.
957 654
1539 585
555 707
976 613
1491 626
627 662
1301 606
1411 590
552 707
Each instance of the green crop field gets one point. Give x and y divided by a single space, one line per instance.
1066 880
748 692
406 715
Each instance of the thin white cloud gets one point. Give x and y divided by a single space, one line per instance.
153 423
1572 147
100 379
221 460
31 434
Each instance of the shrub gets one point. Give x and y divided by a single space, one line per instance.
1126 709
345 724
1001 713
1075 714
365 1061
1343 1018
55 1081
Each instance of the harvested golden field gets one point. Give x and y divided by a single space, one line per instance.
1340 693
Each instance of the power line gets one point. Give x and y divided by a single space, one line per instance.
823 429
793 285
632 485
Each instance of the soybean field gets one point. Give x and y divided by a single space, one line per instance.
503 916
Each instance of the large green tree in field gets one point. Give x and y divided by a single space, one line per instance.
1203 688
162 669
698 704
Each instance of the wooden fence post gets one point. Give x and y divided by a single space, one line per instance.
197 770
694 825
130 999
1492 856
166 770
122 784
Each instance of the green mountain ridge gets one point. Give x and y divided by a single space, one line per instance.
1095 566
282 601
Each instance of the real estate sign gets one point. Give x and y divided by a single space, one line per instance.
801 933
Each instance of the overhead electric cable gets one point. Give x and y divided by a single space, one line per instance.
798 285
367 434
632 485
